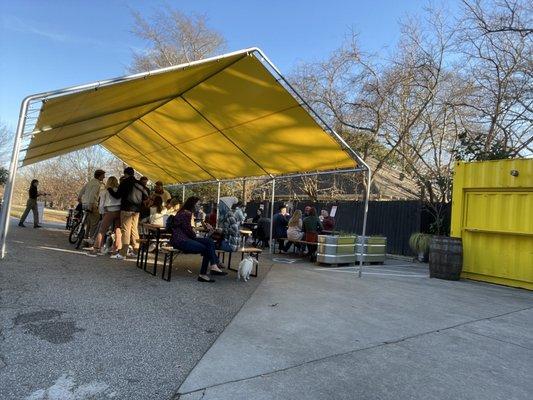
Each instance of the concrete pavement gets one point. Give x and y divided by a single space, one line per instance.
317 333
76 327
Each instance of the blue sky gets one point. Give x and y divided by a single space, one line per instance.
48 44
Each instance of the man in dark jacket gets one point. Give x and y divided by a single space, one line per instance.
281 222
131 193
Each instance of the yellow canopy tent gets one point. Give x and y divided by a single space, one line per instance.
222 118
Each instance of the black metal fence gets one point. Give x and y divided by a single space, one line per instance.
396 220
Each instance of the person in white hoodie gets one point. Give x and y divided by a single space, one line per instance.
110 209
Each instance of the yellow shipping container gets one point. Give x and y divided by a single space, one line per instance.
492 211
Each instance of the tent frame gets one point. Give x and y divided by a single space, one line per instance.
25 112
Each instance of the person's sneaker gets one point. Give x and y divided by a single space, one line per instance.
132 253
90 248
22 225
117 257
37 226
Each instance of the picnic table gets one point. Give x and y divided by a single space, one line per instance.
154 232
157 233
245 234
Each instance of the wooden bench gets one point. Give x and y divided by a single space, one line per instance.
293 241
168 253
252 251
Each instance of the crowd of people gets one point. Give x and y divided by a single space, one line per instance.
122 205
301 227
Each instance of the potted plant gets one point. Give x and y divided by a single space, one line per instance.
419 243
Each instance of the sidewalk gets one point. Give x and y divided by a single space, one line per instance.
317 333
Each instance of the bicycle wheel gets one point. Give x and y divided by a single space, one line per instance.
81 235
74 232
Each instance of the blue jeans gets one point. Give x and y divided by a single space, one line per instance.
203 246
224 246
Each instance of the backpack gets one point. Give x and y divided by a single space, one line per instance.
170 223
137 194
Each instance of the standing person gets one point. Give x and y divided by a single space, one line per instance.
160 191
184 238
89 197
281 222
257 216
145 209
311 227
31 204
255 221
307 209
199 216
110 209
239 213
131 194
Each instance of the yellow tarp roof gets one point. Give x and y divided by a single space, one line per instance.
219 119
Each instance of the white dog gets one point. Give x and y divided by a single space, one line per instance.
245 268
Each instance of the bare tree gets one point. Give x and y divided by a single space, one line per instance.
174 38
5 143
496 43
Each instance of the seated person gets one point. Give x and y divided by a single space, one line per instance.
200 215
262 232
312 226
184 238
230 230
294 231
281 221
157 212
212 218
173 206
328 223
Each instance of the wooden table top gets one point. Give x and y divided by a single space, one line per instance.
152 226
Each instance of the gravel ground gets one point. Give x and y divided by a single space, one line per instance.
76 327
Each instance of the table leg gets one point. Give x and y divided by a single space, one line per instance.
157 237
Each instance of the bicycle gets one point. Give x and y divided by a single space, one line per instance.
77 232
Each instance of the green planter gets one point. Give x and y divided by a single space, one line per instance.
336 249
372 248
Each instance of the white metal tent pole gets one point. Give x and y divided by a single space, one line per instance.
218 203
8 192
363 233
272 245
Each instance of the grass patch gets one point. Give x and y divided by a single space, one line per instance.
49 214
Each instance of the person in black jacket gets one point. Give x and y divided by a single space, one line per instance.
31 205
131 193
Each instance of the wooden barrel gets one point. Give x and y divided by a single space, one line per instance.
445 258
